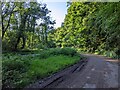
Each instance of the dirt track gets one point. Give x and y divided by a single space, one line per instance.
99 72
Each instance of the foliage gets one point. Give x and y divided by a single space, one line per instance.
58 51
48 66
22 69
20 26
90 27
68 51
13 68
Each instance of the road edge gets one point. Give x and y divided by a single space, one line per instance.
52 78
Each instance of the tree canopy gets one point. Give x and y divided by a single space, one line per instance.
90 26
19 24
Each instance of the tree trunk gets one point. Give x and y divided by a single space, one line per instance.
18 40
23 45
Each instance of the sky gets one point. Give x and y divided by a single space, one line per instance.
58 11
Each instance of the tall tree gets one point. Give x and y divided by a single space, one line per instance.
21 18
7 11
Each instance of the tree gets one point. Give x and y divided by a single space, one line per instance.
91 26
20 19
7 11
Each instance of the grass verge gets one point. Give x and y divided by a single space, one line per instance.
19 70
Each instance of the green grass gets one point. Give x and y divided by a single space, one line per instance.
19 71
50 65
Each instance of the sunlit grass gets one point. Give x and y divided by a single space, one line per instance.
45 67
21 70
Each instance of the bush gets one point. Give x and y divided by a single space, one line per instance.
110 54
44 54
55 51
8 43
17 65
21 70
12 65
12 70
68 51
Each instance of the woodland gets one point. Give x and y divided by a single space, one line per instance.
33 49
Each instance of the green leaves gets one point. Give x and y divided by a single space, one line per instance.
93 26
21 70
19 19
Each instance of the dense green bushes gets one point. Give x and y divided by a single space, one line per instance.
21 69
13 68
17 65
58 51
68 51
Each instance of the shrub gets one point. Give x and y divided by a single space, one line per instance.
21 70
44 54
15 63
55 51
13 66
68 51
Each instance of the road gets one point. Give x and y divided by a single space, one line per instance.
99 72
